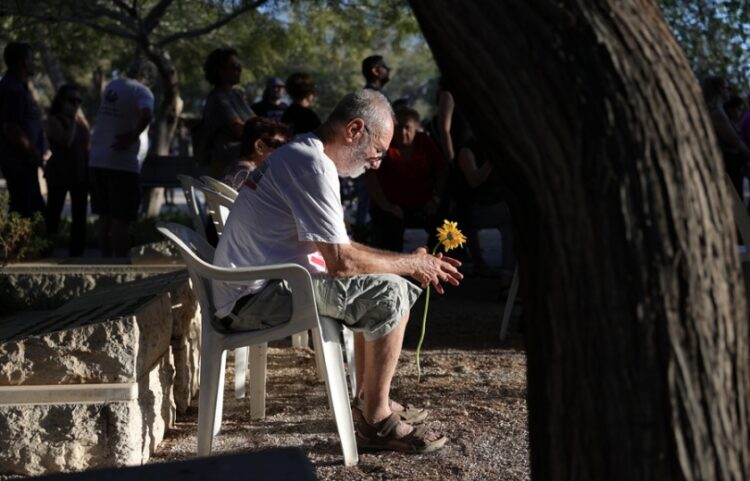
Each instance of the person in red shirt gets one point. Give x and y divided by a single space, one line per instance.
407 190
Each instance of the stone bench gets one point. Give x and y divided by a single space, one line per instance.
97 381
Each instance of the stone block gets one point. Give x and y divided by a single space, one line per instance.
137 331
92 383
39 438
49 286
164 252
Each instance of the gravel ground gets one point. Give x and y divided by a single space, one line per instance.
474 387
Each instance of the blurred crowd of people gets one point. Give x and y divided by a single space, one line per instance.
434 168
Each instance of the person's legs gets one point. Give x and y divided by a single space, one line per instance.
103 230
55 201
381 358
119 238
23 187
78 204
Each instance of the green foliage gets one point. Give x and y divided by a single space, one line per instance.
715 35
21 238
326 38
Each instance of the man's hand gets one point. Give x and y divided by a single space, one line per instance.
429 269
123 141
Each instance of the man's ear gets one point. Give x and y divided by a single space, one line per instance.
259 146
355 128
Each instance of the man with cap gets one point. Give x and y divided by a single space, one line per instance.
376 72
271 106
119 145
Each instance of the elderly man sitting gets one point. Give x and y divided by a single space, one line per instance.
290 211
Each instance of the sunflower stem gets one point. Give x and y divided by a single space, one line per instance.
424 322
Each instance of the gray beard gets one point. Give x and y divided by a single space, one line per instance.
356 165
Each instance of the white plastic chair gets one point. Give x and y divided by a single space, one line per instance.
218 206
190 186
219 186
508 310
214 343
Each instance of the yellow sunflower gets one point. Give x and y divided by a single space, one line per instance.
450 236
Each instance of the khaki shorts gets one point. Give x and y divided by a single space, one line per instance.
370 304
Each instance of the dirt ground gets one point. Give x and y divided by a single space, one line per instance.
474 386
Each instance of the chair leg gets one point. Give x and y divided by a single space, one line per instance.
351 361
329 343
509 305
319 366
220 394
258 359
240 368
300 339
209 400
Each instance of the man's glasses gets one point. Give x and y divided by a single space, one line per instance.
381 155
235 66
74 100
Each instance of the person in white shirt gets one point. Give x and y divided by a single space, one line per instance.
289 210
119 145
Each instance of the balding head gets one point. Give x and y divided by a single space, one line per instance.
358 132
368 105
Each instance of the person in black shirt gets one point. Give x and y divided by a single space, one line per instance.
299 116
271 106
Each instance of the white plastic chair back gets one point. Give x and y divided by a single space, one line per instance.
197 254
218 206
219 186
190 186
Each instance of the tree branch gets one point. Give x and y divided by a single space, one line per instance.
211 26
91 23
154 16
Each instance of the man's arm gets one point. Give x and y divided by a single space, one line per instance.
345 260
126 139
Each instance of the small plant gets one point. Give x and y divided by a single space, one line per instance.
20 237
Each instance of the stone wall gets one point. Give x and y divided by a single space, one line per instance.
97 381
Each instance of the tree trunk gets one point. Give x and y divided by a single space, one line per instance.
166 118
636 325
57 75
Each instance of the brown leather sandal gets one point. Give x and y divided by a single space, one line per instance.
382 436
409 413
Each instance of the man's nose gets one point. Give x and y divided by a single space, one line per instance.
375 164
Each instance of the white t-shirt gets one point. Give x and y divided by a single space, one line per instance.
122 102
288 202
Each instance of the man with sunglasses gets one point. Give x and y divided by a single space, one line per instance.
290 211
376 72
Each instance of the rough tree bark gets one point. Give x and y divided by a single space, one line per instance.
636 326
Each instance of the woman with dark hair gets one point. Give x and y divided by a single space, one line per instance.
299 116
226 110
260 138
67 169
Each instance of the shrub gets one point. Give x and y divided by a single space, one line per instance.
20 237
